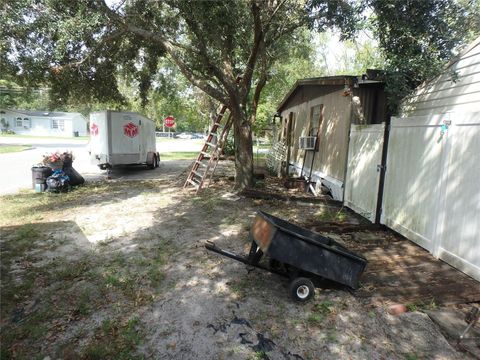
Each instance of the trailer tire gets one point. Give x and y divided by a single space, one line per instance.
151 161
302 289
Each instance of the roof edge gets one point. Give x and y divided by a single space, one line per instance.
324 80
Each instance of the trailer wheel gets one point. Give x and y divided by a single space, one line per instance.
302 289
151 164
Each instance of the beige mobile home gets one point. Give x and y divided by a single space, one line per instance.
316 118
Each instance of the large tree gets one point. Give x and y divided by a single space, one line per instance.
79 47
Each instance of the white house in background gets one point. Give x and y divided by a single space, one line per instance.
43 123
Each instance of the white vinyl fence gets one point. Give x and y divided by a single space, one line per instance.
363 175
432 186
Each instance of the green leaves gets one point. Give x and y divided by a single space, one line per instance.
418 38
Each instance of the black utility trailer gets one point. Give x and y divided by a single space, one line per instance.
300 254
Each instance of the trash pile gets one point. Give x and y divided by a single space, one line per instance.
55 173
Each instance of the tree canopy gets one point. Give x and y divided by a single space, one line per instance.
418 38
79 47
91 50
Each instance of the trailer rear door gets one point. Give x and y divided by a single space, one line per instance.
98 133
125 133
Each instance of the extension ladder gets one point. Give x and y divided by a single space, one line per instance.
203 170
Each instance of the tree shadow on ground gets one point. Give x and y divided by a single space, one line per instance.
140 282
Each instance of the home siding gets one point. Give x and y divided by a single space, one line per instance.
42 125
79 123
456 89
333 145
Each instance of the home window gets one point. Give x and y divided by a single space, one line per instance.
18 122
58 124
26 123
292 128
316 119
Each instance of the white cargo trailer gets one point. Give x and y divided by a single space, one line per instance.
122 138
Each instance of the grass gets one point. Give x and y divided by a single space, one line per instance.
329 215
115 339
13 148
75 290
239 287
325 307
411 307
208 202
331 335
31 207
260 355
192 141
187 155
42 296
319 312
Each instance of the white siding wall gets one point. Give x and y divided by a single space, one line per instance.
457 89
79 123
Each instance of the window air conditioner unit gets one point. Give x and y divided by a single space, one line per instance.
308 142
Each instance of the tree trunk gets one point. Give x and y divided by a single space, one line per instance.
243 149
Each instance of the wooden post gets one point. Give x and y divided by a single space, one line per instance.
289 142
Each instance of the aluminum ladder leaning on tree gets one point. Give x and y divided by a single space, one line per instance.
202 170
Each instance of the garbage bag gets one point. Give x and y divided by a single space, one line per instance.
74 176
58 182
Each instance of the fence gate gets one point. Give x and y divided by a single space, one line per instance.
363 175
432 186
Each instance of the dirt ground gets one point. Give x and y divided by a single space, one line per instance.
118 270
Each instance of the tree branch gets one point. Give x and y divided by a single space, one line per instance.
112 36
260 85
257 39
227 79
169 48
275 11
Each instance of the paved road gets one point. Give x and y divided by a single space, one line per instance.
16 167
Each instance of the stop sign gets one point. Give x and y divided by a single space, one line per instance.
169 121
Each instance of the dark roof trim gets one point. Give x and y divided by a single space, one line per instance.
325 80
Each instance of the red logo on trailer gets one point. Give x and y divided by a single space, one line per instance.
94 129
169 121
130 130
